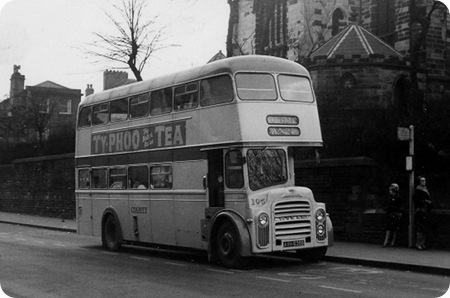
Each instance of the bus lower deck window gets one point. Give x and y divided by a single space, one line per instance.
138 177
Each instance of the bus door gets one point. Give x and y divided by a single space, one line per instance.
215 178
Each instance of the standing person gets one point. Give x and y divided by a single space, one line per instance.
394 214
422 205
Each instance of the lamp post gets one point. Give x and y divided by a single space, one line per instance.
407 134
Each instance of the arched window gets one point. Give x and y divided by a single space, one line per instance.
338 15
348 81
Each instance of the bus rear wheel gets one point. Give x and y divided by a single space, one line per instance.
227 247
111 234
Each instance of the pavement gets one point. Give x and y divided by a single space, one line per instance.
398 258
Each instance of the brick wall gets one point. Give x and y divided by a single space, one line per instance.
39 186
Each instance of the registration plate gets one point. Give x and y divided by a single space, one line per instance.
294 243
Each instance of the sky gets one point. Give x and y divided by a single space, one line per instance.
49 39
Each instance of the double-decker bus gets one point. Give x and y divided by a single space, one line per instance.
203 159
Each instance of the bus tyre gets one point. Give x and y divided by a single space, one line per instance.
111 234
227 247
313 254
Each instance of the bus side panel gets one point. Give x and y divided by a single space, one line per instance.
100 201
140 217
162 218
189 209
190 201
84 213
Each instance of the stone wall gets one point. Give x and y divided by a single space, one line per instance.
354 191
39 186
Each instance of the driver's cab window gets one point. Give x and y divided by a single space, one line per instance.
233 169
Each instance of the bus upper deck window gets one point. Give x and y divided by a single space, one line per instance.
161 101
295 88
186 97
216 91
100 114
119 110
139 105
85 117
256 86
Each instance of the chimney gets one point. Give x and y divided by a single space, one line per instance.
89 90
17 82
113 79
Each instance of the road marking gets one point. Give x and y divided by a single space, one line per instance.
221 271
273 279
59 244
40 242
302 275
434 289
139 258
340 289
356 270
176 264
109 253
238 271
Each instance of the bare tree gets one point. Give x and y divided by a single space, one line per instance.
422 18
314 32
135 40
29 119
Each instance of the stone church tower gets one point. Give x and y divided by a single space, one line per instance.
293 29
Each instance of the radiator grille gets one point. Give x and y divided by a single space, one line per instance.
292 220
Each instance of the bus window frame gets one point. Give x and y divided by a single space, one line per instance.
105 171
144 183
139 103
181 105
105 111
89 117
281 75
212 100
88 182
121 119
111 181
252 159
275 90
170 173
161 110
232 168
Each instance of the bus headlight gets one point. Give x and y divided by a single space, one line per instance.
320 215
320 230
263 220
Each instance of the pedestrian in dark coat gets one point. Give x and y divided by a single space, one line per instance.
394 215
423 206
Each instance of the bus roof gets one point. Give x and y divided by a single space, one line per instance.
228 65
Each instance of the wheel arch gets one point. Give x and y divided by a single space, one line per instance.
110 211
245 247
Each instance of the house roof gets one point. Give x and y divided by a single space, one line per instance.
50 84
217 56
355 40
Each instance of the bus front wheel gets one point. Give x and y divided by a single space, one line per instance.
227 247
111 234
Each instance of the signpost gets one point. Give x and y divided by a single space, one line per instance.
407 134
